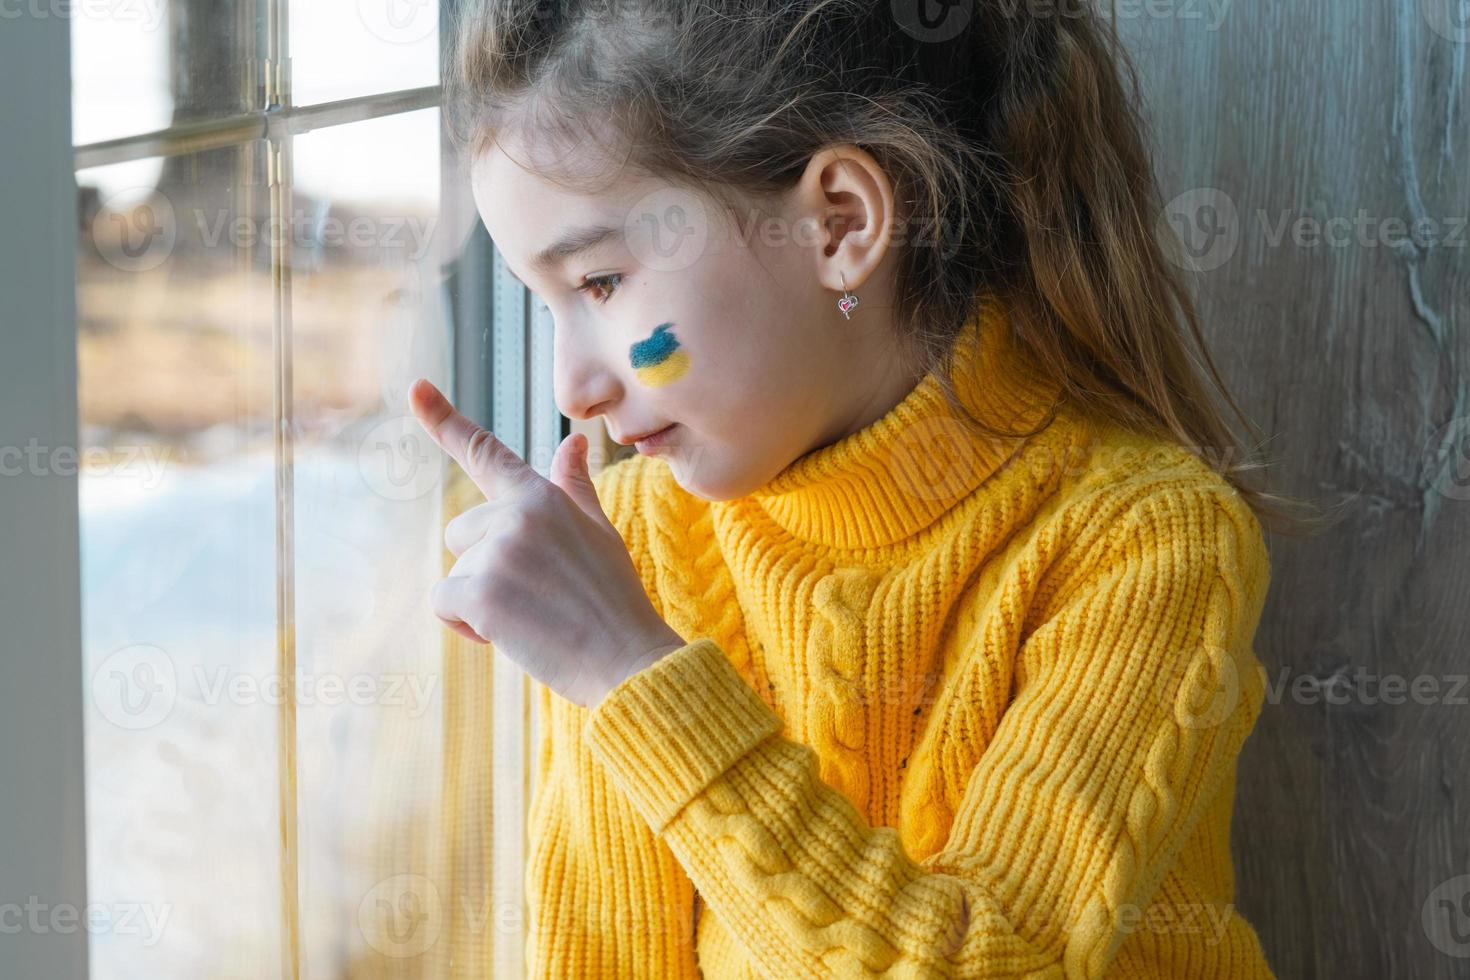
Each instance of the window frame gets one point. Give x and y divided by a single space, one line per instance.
43 827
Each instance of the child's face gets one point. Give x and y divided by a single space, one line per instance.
715 324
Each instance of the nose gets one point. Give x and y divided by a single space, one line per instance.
584 386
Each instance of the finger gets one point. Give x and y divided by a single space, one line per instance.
467 528
464 631
569 472
449 598
491 464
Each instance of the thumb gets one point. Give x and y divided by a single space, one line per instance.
569 471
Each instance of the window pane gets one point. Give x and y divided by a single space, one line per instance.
178 521
367 321
141 66
362 47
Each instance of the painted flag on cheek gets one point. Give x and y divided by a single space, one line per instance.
659 359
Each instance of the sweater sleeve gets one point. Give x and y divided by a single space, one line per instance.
1133 695
606 898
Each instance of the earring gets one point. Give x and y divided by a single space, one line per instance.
848 302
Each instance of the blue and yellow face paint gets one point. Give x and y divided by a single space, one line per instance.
659 359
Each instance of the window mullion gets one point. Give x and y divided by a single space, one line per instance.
213 134
276 93
511 421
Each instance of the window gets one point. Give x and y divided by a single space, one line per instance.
291 768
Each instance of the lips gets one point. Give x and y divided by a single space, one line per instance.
651 443
630 440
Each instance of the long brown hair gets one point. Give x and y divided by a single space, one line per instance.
1014 146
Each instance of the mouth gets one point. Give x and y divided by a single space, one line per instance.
652 440
629 440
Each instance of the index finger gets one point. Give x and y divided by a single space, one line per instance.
490 463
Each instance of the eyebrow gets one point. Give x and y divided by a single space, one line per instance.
572 243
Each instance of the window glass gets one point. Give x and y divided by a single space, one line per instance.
362 47
178 518
143 65
367 321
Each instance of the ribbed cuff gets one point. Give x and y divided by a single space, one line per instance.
670 730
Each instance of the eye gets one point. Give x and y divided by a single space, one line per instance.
607 285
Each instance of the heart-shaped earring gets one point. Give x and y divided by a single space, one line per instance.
848 302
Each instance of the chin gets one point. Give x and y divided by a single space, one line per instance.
691 480
711 482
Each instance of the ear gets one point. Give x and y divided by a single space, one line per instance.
847 193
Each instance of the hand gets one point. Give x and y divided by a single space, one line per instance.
540 571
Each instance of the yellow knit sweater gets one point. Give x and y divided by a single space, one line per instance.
952 706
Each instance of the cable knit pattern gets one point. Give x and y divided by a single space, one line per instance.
840 601
950 707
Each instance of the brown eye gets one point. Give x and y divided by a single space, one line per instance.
607 285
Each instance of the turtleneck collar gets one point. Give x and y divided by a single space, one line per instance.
897 475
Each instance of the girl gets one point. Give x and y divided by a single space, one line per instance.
917 637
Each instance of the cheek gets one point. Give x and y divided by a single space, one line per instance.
659 359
